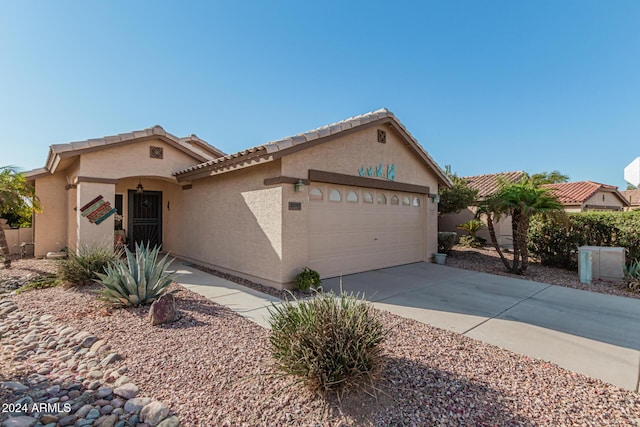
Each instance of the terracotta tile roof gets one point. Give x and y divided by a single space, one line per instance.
632 196
313 135
488 184
577 192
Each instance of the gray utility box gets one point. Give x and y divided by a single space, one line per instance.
605 263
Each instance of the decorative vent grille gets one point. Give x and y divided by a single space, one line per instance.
382 136
156 152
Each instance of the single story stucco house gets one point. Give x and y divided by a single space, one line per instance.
348 197
583 196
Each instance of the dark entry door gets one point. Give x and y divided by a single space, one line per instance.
145 218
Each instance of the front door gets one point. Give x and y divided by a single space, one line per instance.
145 218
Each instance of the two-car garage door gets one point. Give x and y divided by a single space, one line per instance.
356 229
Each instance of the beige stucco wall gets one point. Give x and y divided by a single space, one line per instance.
346 155
609 199
133 160
50 226
91 234
504 233
16 236
234 222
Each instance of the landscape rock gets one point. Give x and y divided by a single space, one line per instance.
109 359
110 421
15 386
172 421
128 391
164 310
57 365
136 404
154 412
21 421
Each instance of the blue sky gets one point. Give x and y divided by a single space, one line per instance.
484 86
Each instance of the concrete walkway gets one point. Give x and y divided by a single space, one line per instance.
245 301
594 334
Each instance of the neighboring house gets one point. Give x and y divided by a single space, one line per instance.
487 185
344 198
633 197
585 196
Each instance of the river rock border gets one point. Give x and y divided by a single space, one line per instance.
62 377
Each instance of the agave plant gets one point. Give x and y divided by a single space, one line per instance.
139 280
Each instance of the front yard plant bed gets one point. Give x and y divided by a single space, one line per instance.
211 368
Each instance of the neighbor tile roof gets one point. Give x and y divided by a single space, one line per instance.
490 183
312 135
577 192
632 196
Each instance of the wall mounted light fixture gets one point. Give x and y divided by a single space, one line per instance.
298 186
435 198
139 188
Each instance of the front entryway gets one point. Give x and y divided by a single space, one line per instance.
145 218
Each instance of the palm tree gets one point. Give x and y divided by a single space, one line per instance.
522 200
15 193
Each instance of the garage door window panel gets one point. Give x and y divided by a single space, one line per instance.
416 202
367 197
335 195
382 199
406 201
395 200
315 193
352 197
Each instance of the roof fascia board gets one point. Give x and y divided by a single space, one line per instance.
366 182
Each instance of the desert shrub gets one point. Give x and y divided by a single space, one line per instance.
308 279
446 241
556 242
632 276
472 241
41 282
80 268
328 343
139 280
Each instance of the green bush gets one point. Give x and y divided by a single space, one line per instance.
472 241
446 241
308 278
80 268
139 280
556 242
329 342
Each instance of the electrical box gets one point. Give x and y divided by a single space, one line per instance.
605 263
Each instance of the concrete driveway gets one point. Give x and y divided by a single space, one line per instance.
594 334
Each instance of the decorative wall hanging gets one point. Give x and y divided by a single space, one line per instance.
97 210
379 171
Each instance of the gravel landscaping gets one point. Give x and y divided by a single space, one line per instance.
212 367
488 261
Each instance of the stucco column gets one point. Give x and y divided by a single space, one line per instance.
91 234
295 236
432 228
